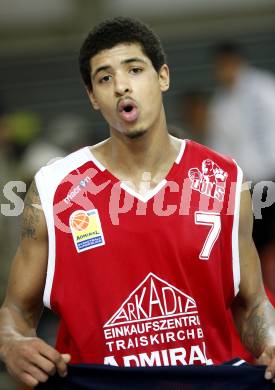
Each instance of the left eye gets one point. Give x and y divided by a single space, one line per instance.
135 70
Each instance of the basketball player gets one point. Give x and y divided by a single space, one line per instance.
141 258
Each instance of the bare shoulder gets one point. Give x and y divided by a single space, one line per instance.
33 224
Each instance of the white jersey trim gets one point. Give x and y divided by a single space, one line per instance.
94 159
47 180
235 232
146 197
181 152
126 187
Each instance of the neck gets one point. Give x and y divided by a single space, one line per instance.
148 157
141 154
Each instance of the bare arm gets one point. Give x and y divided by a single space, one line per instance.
253 313
24 293
27 357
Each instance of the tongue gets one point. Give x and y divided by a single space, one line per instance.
130 116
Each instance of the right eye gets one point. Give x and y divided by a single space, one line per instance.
105 79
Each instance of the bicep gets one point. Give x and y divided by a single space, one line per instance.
28 270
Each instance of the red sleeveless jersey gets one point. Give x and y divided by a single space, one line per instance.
143 280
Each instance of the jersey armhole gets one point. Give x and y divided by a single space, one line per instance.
47 206
47 181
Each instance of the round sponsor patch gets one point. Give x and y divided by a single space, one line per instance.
80 221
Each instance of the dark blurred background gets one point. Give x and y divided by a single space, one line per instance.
39 43
44 110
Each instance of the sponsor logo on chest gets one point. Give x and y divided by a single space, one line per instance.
157 324
77 189
86 229
210 181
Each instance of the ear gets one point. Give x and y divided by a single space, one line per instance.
164 78
92 99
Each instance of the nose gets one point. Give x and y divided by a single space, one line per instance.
122 86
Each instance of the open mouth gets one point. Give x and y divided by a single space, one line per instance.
128 108
128 111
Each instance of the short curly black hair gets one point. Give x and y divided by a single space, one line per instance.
118 30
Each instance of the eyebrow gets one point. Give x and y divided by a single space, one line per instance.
126 61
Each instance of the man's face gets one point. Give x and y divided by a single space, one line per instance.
127 89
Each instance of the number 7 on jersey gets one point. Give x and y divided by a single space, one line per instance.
214 221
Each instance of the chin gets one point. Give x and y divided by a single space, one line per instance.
136 134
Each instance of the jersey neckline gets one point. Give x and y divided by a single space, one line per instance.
123 184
